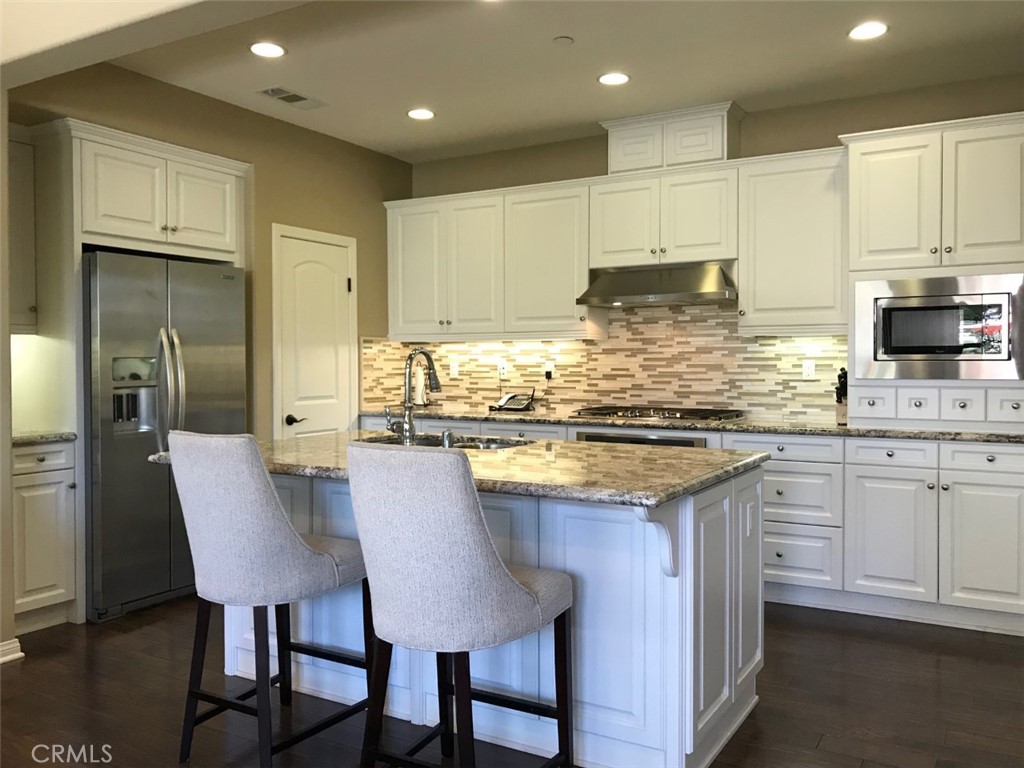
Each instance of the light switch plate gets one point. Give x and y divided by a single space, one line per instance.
809 374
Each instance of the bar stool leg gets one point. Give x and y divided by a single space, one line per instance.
563 686
464 711
445 704
375 710
368 634
283 616
195 677
262 632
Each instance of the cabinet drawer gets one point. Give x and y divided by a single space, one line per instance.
872 403
529 431
440 425
1006 405
962 404
807 555
42 458
803 492
982 456
892 453
373 423
789 447
917 403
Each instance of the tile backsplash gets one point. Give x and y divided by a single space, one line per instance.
690 356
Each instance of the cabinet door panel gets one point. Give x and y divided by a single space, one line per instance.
124 193
545 259
792 242
416 270
981 540
698 217
475 265
983 195
895 199
891 532
749 619
202 207
22 291
624 223
44 539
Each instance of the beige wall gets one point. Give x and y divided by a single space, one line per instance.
301 178
761 133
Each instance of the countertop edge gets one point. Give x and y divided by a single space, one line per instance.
42 438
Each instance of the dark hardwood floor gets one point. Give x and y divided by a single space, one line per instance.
837 691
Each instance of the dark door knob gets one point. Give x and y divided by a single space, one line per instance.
291 420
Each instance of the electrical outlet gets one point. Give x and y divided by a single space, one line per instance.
453 369
549 370
502 368
809 374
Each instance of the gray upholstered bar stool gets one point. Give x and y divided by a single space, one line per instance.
246 553
439 585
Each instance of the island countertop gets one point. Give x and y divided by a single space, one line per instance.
605 473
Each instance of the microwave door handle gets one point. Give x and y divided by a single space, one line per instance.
165 411
179 365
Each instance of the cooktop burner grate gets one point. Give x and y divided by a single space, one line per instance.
655 412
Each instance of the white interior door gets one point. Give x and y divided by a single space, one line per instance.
316 365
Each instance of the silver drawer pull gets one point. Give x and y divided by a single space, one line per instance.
961 404
918 403
40 459
778 491
780 448
778 554
931 486
945 487
1015 406
522 434
990 459
871 403
72 485
890 454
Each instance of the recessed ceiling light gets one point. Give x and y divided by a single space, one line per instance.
421 114
868 30
563 40
613 78
267 50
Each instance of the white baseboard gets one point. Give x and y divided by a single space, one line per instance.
894 608
10 650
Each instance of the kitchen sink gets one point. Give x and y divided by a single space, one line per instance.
465 442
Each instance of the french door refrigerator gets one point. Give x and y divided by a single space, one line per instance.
166 350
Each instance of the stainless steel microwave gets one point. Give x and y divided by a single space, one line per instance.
963 327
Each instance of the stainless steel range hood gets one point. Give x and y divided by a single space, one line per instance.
702 283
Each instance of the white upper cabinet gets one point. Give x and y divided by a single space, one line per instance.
949 196
22 294
124 193
475 265
792 245
417 291
675 219
546 260
983 195
201 206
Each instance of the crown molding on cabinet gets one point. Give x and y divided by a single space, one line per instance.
907 130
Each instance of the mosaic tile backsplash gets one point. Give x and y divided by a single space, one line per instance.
688 356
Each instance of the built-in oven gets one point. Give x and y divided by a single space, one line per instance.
960 327
650 438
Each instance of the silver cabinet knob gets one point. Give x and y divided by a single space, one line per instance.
933 250
962 404
654 251
583 318
72 485
871 403
32 308
778 491
890 454
778 554
743 312
163 228
945 487
40 459
522 434
1015 406
918 403
447 322
174 229
664 249
931 486
440 322
948 249
990 459
780 448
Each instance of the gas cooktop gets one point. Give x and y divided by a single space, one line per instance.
657 413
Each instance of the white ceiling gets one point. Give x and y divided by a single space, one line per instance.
496 81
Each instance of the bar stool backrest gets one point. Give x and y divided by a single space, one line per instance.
244 548
438 583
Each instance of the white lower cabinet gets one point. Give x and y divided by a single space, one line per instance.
891 532
527 431
803 555
748 623
44 539
981 540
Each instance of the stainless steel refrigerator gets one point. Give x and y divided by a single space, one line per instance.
166 350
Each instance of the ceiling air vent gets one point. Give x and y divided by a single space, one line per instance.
291 98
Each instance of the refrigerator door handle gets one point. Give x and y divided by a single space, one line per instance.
179 364
165 410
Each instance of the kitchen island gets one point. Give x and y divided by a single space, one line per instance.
664 547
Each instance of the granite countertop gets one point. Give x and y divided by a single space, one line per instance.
781 426
606 473
41 438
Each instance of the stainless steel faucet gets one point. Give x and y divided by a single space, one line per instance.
407 426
